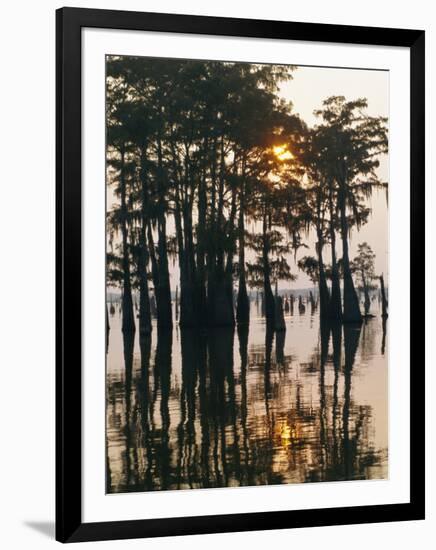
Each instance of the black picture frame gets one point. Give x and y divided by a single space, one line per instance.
69 525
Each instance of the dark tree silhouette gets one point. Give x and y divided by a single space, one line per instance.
352 144
363 266
207 165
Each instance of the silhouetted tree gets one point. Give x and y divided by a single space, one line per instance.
352 142
363 266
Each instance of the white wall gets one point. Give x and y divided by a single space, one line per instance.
27 215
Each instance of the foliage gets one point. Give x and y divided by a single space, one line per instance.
197 151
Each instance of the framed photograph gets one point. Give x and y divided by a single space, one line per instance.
240 251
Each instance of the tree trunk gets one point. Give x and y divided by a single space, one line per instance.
243 305
108 328
279 318
188 317
201 247
351 312
220 301
324 295
187 298
163 289
367 302
128 322
211 244
144 298
268 294
384 300
335 306
228 276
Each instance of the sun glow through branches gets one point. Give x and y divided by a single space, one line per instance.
282 153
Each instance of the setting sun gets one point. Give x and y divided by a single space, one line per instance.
282 153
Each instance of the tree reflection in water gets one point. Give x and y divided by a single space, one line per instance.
193 409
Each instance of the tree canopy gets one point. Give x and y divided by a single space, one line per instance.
212 169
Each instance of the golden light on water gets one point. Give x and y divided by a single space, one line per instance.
289 433
282 153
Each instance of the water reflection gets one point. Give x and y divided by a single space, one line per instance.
250 406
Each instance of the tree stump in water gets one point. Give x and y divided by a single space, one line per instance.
286 307
383 297
279 317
